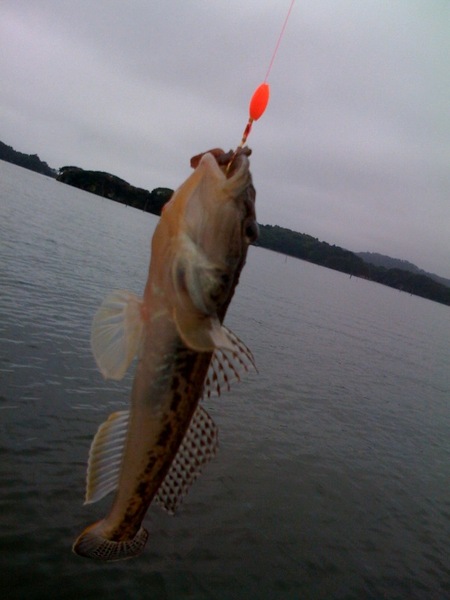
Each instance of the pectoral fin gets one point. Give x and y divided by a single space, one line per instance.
116 333
202 333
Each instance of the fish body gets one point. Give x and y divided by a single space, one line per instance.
156 449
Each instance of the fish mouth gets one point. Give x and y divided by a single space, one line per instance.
229 162
233 167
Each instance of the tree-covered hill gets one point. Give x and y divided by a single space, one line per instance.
28 161
382 260
114 188
311 249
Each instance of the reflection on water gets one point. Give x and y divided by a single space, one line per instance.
332 476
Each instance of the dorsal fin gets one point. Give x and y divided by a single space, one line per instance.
105 456
116 333
198 447
227 366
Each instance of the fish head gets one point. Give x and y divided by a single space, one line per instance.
210 222
220 215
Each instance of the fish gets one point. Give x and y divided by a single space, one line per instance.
155 450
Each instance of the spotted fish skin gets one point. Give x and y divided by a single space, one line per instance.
189 371
156 449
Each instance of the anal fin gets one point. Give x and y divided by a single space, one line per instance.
105 456
198 447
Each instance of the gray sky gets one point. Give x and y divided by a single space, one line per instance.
354 147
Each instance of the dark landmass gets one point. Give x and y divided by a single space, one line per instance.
381 260
28 161
114 188
311 249
394 273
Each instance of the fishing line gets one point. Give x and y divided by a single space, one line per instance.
260 98
277 45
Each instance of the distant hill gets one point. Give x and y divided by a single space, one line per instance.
114 188
28 161
381 260
311 249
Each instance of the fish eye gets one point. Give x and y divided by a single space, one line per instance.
251 230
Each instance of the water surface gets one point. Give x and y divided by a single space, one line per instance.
332 479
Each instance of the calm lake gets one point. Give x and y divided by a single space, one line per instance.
332 479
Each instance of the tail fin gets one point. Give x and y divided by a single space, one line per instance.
92 543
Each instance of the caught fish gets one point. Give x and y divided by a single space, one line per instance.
155 450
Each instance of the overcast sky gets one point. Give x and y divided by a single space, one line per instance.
353 149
